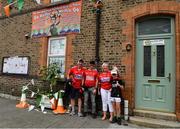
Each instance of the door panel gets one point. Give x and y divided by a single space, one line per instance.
155 89
160 93
147 92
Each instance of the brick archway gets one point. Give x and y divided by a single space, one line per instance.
130 16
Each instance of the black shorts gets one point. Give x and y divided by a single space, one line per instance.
76 93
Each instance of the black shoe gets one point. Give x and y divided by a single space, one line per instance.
119 120
85 114
93 115
114 120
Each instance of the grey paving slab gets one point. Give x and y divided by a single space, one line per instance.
12 117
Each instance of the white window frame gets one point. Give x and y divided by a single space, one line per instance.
53 1
61 55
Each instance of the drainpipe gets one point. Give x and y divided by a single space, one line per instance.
98 14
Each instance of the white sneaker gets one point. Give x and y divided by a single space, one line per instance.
68 111
80 114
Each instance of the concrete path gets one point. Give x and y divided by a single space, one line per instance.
12 117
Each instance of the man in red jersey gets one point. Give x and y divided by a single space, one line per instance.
76 74
90 82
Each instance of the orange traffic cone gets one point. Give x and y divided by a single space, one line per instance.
60 108
23 103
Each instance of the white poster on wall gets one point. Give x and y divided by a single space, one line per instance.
15 65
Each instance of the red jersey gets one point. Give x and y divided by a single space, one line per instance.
90 77
105 80
77 76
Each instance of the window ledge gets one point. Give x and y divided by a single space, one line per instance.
61 2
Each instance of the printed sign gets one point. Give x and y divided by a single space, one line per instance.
153 42
58 20
15 65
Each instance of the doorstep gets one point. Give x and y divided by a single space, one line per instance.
155 114
153 123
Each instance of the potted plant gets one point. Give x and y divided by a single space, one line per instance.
50 75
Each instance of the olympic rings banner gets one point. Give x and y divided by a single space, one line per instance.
59 20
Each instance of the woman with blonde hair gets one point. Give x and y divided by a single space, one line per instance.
105 83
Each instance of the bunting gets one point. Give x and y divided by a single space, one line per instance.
20 4
10 1
38 1
7 10
0 9
31 107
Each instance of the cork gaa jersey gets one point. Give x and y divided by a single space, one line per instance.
90 77
105 80
77 76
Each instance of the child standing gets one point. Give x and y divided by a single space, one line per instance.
116 96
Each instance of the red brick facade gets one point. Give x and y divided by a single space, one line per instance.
117 29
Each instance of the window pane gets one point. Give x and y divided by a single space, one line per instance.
60 61
154 26
57 0
57 47
160 61
147 60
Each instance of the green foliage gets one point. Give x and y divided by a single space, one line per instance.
50 74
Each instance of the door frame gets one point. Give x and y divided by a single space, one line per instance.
170 35
148 9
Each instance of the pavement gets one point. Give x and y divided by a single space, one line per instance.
12 117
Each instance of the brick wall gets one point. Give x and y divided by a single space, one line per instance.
116 31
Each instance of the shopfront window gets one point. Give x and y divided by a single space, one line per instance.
56 52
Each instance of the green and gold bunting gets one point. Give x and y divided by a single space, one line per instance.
10 1
38 1
20 4
7 10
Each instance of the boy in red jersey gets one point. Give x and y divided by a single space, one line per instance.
76 74
105 79
90 85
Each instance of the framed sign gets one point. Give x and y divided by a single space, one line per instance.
15 65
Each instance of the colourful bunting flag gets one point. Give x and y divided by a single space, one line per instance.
20 4
52 101
7 10
10 1
42 108
24 88
32 94
56 95
0 9
38 1
31 107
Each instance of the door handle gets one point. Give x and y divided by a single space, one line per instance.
169 77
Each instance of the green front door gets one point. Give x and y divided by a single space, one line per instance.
155 65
